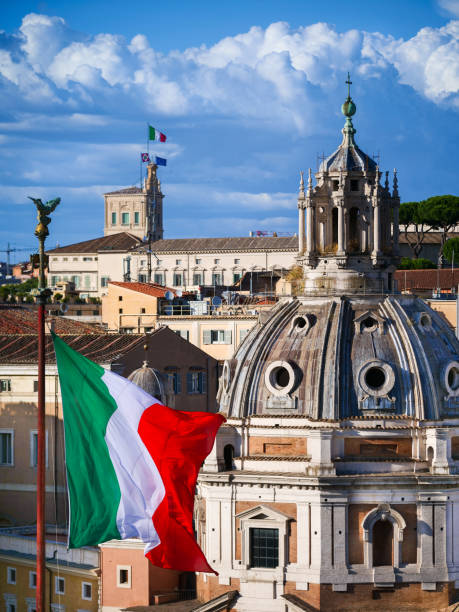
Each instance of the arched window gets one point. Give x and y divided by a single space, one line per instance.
430 455
354 245
383 535
383 540
228 454
335 226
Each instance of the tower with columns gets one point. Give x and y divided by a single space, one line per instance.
136 210
334 483
348 221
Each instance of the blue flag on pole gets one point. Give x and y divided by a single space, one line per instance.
160 161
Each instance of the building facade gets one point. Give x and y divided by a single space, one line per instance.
72 576
138 211
334 484
191 373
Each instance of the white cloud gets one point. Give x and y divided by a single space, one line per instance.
205 196
265 75
450 6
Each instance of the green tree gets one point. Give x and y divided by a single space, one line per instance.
406 263
415 225
441 213
451 250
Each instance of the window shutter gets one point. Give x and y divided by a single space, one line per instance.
228 336
178 378
202 382
207 336
189 382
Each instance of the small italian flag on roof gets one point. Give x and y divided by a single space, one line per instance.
132 463
154 134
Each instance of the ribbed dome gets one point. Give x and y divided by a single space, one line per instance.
332 358
348 158
152 381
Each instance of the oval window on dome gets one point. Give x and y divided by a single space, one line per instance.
376 378
451 378
369 324
280 377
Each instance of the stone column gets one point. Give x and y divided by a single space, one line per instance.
440 534
395 232
339 535
300 227
425 534
303 534
346 229
309 229
376 229
340 229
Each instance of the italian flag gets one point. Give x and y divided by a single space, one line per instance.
132 463
154 134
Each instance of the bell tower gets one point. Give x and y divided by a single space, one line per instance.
348 221
136 210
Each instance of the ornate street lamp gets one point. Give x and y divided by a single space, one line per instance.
41 231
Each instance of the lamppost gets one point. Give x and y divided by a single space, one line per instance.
41 231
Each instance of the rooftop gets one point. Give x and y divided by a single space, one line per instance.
125 190
23 321
258 243
116 242
101 348
151 289
427 279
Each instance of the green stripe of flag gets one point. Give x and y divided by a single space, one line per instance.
151 133
93 485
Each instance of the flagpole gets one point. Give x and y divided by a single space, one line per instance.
41 231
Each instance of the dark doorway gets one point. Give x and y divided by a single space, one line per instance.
228 454
383 543
354 243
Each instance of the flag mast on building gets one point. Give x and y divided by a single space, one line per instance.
132 463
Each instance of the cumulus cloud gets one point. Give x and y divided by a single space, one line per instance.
237 200
450 6
264 74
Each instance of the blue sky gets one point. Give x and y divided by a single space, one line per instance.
248 94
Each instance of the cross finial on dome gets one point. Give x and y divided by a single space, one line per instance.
349 83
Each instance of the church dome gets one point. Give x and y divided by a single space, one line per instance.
341 357
150 380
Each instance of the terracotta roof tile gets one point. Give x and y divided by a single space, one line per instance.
101 348
427 279
116 242
24 321
146 288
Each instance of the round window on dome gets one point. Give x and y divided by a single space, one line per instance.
425 320
376 378
451 378
280 377
369 324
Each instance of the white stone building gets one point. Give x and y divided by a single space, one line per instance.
334 484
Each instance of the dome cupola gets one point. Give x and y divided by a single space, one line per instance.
348 221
